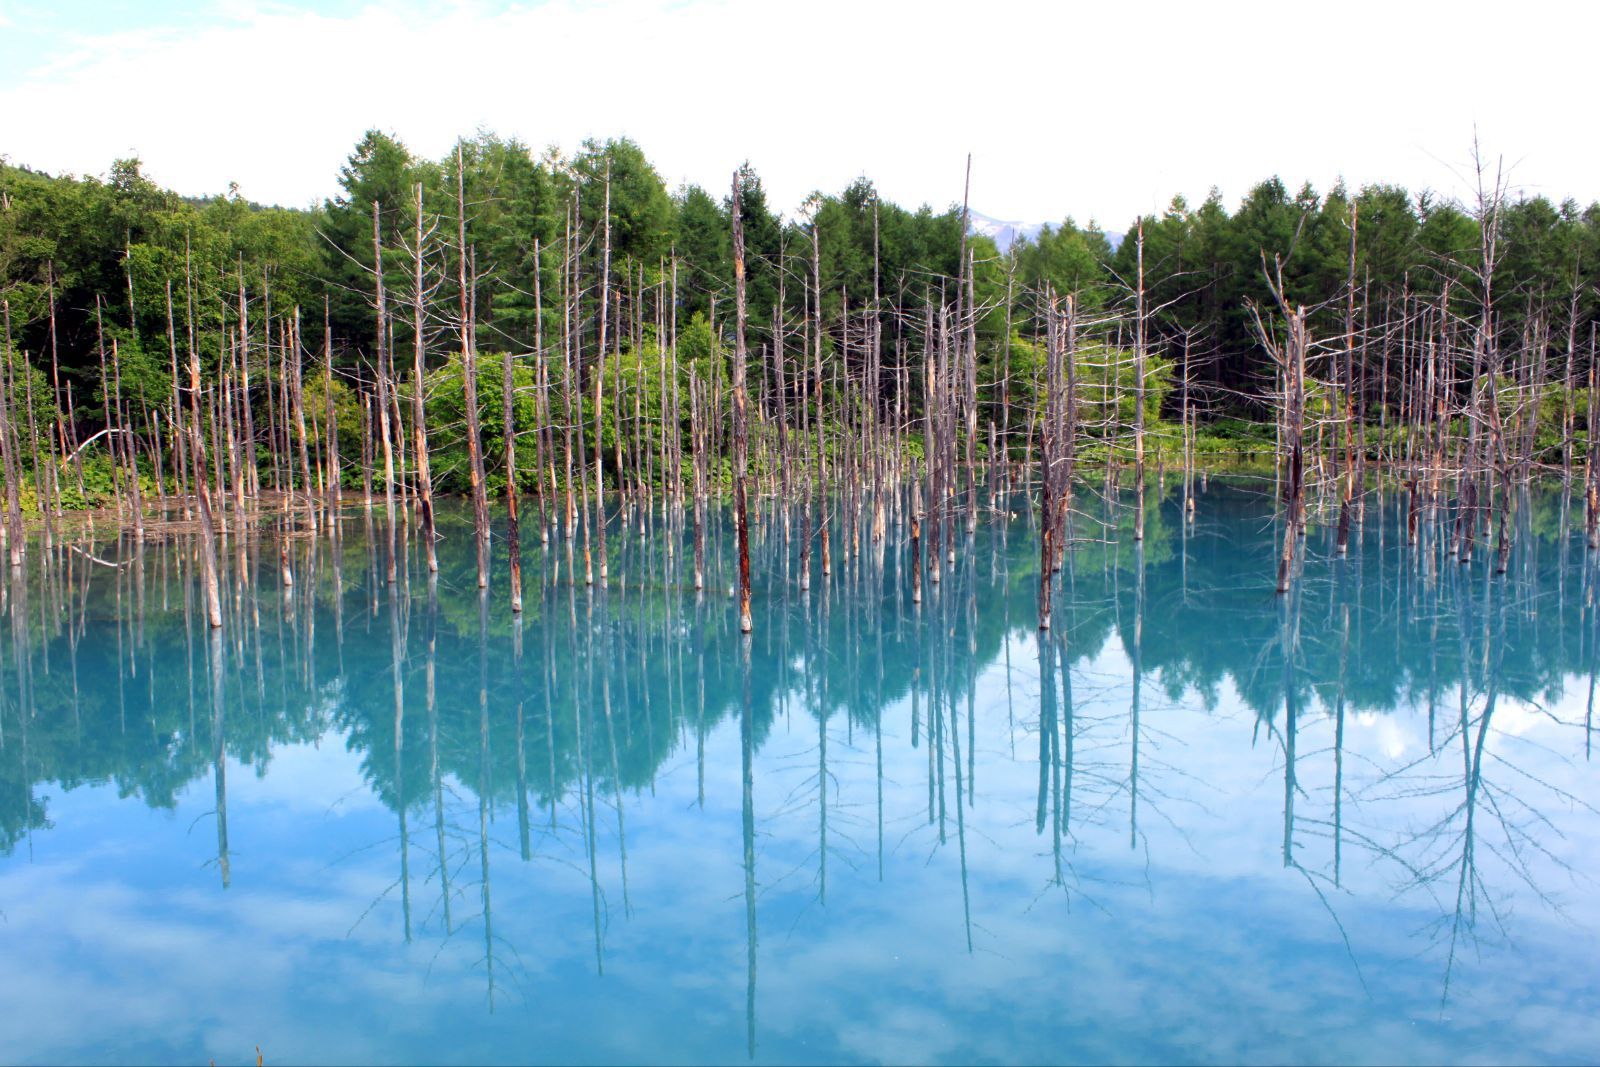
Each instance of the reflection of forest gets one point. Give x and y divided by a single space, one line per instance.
108 672
459 711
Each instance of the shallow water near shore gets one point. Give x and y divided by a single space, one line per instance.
378 822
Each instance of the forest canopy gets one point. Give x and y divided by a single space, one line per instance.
92 262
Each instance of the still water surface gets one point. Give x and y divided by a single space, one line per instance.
373 822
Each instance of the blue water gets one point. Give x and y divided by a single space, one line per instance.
374 822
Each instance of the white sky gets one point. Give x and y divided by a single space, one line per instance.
1099 111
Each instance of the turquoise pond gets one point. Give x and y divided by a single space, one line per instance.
385 822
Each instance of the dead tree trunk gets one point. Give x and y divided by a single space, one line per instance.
697 461
741 429
469 369
513 534
297 397
197 445
381 421
1592 460
1294 490
1138 391
1289 353
1347 498
1047 544
8 441
419 420
63 436
330 421
966 347
249 424
599 378
126 442
541 445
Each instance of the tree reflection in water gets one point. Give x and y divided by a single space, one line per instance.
460 711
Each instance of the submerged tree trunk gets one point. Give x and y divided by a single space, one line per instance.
1294 489
297 398
599 379
1047 545
469 369
419 421
8 441
1347 496
1138 392
381 420
513 538
331 423
741 430
197 444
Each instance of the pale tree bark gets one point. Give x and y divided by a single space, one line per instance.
599 377
741 429
469 361
513 534
1139 390
197 445
13 463
330 420
297 396
381 421
419 421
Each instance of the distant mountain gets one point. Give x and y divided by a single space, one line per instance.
1005 233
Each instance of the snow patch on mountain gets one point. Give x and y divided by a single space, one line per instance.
1004 232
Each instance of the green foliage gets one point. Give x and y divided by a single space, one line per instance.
445 403
110 255
1069 260
641 210
1106 381
33 403
701 349
97 487
632 387
347 417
